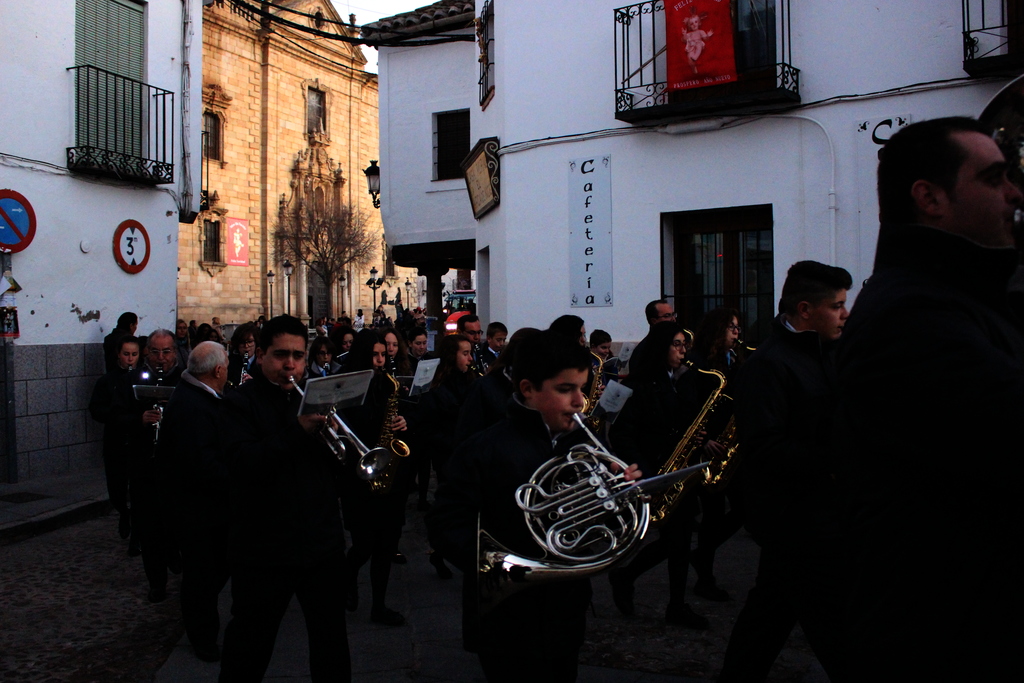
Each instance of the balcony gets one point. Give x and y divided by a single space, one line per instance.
993 37
123 128
765 78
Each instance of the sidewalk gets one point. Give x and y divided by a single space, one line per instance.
46 503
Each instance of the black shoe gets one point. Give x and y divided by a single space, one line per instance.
622 592
124 525
134 548
709 591
399 558
207 653
684 616
442 569
388 617
157 594
352 599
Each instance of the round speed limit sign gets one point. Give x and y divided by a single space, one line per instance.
131 246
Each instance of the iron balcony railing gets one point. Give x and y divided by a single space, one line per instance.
763 52
123 127
993 36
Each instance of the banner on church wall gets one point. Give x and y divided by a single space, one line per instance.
237 246
590 232
699 43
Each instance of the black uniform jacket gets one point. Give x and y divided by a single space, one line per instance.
481 480
439 412
101 407
484 406
654 419
191 453
127 416
785 399
284 493
931 375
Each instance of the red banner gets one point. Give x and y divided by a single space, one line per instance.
238 242
699 43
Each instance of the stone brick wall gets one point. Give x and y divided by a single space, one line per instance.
233 89
52 388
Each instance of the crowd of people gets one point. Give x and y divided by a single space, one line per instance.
851 429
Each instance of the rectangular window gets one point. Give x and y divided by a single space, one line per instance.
724 257
451 143
485 35
110 35
211 144
316 112
211 241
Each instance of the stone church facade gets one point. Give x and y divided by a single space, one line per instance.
288 116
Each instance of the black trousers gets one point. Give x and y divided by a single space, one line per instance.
204 573
672 544
150 528
115 467
260 597
797 582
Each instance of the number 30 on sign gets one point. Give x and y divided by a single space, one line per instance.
131 246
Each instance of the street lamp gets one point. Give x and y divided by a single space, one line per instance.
288 270
372 173
408 301
374 283
270 281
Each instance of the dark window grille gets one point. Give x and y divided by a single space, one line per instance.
316 112
451 143
724 257
211 241
211 143
123 127
486 40
763 51
993 36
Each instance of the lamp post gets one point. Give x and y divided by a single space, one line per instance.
408 301
374 283
288 270
372 173
270 281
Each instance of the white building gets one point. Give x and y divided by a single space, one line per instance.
100 139
704 195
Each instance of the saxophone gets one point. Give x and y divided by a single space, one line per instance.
596 387
683 455
721 469
382 482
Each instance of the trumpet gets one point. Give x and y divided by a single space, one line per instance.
336 434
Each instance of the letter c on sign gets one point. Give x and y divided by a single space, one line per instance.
583 166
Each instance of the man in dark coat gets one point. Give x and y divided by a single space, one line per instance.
286 537
931 375
140 420
784 404
190 453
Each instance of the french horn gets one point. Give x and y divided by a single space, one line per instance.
582 512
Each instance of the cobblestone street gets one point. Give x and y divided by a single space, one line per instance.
75 611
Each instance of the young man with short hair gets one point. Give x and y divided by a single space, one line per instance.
286 536
785 398
534 634
497 333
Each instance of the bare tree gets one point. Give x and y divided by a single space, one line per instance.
326 241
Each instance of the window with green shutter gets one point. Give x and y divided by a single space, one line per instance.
110 35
